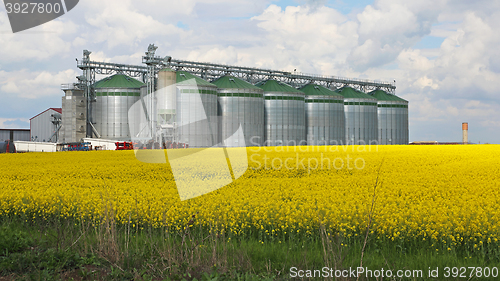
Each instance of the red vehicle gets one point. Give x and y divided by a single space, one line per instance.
124 145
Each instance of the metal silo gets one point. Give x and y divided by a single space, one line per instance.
392 114
196 112
166 95
240 103
325 121
166 106
284 111
360 117
114 97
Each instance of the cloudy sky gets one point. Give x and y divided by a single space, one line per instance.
444 55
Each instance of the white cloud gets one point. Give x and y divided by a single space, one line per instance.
389 27
465 63
40 43
386 22
411 59
10 87
14 123
423 82
35 85
227 55
118 23
304 38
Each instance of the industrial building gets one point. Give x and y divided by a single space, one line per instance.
74 115
14 135
172 102
44 127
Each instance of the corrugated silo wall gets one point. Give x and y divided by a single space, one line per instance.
284 118
191 114
406 128
243 106
361 121
393 122
325 123
110 112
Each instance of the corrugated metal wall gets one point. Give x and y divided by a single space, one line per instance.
14 134
42 127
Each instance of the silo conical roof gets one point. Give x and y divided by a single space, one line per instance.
184 78
118 81
350 93
275 86
317 90
383 96
231 82
167 69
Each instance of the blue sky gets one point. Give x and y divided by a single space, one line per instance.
443 54
428 42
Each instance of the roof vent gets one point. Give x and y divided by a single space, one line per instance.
182 74
316 87
231 79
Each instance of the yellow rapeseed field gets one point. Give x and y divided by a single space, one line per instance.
445 194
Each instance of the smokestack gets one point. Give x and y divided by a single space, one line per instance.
465 133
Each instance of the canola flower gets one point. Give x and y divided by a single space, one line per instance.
446 195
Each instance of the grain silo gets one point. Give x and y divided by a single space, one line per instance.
240 103
284 111
196 112
114 97
392 117
166 105
325 120
360 116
